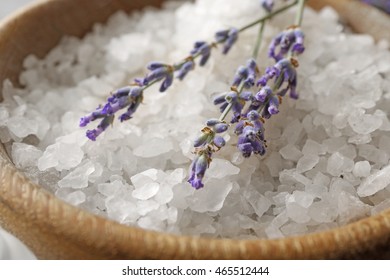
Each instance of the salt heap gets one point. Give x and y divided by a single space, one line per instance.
327 162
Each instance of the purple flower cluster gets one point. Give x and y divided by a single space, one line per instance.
290 40
130 97
206 144
251 109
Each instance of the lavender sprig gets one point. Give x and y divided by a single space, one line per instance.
164 73
261 106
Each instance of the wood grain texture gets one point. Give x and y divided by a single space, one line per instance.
56 230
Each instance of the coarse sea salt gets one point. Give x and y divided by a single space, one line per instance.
327 161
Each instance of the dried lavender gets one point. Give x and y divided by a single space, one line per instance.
273 85
164 73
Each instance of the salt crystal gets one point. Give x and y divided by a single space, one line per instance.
24 155
145 177
220 168
371 153
361 169
146 191
338 164
153 147
290 152
78 178
364 124
211 198
75 198
258 201
307 162
313 148
375 182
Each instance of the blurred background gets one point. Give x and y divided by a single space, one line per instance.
10 247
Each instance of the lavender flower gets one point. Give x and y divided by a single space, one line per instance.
267 5
198 168
236 99
228 37
158 72
250 133
130 97
206 144
184 69
289 40
283 71
204 50
247 75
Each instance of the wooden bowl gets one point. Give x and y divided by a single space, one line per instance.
53 229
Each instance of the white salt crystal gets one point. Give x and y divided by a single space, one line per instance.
364 124
220 168
109 189
371 153
24 155
375 182
146 206
307 162
311 147
322 212
61 156
361 169
338 164
258 201
78 178
210 198
22 127
75 198
290 152
274 163
153 147
145 177
146 191
384 205
292 131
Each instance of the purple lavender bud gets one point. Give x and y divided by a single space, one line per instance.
239 127
273 107
246 95
122 92
156 75
140 82
267 5
251 74
204 49
222 35
167 82
220 127
231 97
155 65
212 122
245 149
274 43
242 73
185 69
231 39
219 98
262 95
253 115
258 148
298 46
201 140
198 170
219 141
104 124
135 92
293 92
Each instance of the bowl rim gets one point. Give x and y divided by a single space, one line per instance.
133 242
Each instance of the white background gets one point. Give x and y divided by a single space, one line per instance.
11 248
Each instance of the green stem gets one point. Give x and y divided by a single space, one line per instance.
229 107
270 15
299 16
258 40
